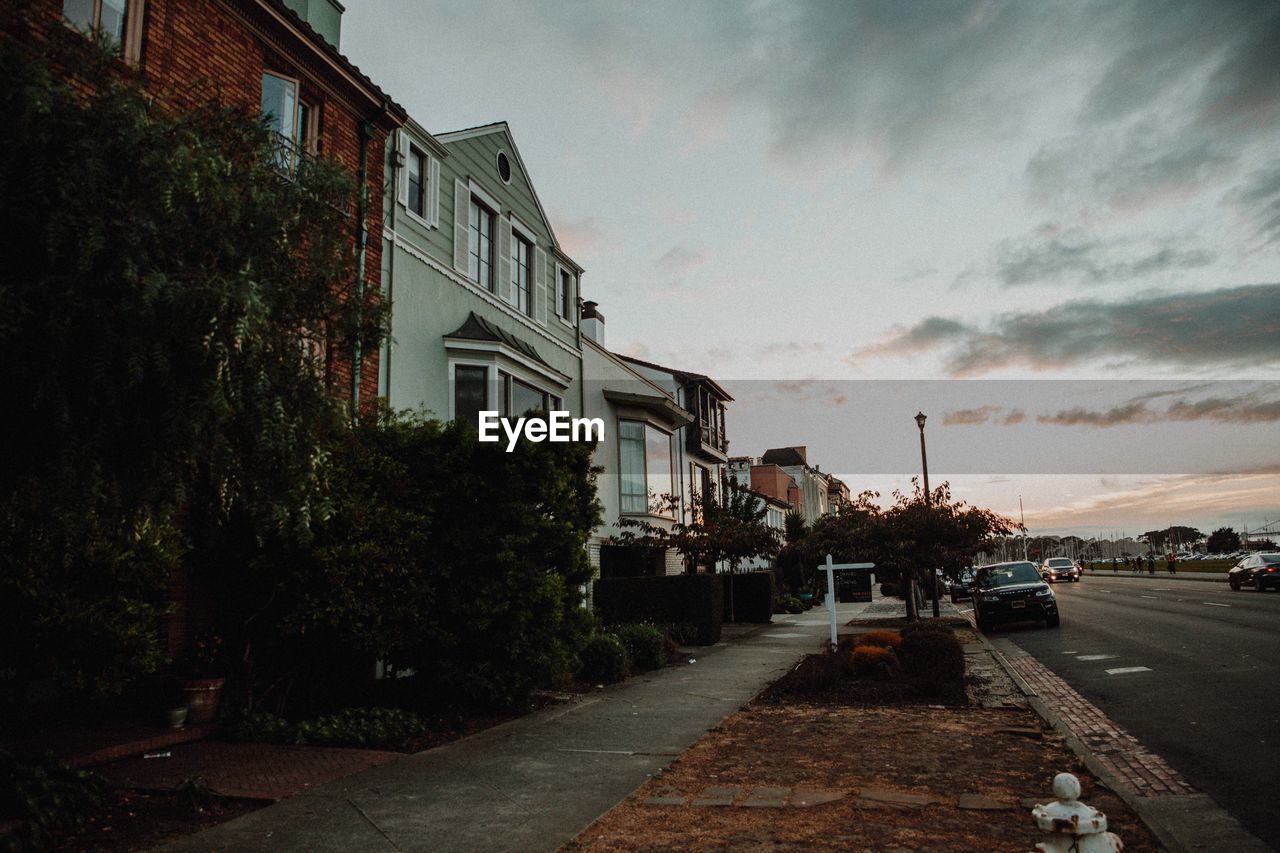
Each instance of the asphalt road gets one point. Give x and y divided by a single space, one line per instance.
1207 696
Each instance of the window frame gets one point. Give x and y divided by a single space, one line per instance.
468 364
423 159
658 509
478 203
130 42
519 243
570 318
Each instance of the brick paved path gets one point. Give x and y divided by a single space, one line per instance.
1115 748
261 771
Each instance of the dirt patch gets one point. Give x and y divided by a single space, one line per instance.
910 778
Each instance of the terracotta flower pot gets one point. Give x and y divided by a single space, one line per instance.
203 695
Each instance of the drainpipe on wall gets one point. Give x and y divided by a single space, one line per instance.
362 241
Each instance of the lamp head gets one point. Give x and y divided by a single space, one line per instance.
920 418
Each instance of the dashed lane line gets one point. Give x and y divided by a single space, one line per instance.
1215 604
1125 670
1097 657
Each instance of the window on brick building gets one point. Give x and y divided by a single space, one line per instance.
120 21
295 121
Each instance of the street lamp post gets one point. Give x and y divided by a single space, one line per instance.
928 499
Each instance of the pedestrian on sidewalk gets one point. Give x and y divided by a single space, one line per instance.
1173 563
1115 565
1151 563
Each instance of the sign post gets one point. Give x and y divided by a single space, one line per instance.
831 569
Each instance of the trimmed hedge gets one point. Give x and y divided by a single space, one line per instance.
695 600
753 594
935 658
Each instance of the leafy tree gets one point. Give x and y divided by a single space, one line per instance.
908 540
1170 537
729 528
170 307
1223 540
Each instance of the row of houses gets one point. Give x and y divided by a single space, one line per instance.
488 307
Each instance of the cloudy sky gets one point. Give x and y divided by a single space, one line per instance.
833 201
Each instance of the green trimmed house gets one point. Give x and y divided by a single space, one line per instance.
484 300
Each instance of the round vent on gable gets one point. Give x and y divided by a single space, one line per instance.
504 167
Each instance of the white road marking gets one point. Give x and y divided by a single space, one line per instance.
782 635
1152 597
1161 589
1124 670
1097 657
1215 604
1071 653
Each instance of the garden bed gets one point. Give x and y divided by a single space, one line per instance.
140 820
861 767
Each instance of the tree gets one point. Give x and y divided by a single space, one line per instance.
915 535
723 529
1223 540
1175 536
169 308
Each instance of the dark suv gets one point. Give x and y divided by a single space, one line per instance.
1012 592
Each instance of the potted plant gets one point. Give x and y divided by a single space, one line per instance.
202 675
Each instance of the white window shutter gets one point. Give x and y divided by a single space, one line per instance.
540 287
433 194
461 225
504 258
402 178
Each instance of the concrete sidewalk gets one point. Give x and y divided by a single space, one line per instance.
536 782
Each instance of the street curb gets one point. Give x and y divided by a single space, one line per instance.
1186 823
1181 576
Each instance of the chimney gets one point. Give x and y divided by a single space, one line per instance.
593 322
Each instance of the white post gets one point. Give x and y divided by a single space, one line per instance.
831 598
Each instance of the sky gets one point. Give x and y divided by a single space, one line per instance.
1052 227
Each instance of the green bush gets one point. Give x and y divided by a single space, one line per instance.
45 796
603 660
353 727
791 604
646 646
934 658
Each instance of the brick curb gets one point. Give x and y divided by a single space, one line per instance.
1183 823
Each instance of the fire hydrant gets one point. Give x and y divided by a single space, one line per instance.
1073 827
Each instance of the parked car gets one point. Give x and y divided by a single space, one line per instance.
1256 570
1057 569
962 587
1012 592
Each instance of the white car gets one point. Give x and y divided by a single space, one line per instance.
1056 569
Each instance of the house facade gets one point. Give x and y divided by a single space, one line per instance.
702 445
484 299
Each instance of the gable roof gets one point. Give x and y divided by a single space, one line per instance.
477 328
504 128
683 376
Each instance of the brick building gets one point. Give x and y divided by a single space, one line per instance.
279 57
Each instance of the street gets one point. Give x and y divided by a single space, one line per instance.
1189 667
